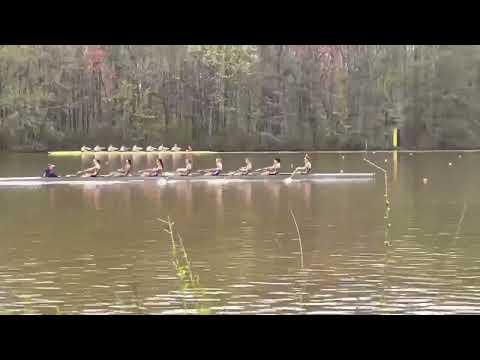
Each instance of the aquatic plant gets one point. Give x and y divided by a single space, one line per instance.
386 217
299 238
183 267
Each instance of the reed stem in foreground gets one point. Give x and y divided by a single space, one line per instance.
460 221
299 238
387 202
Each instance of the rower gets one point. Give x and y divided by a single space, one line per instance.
163 148
126 171
156 171
189 148
85 148
112 148
247 169
218 169
137 148
98 148
49 171
186 170
124 148
274 169
93 171
176 148
151 148
306 168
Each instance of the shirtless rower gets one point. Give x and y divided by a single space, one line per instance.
186 170
94 171
247 169
306 168
274 169
216 170
125 171
156 171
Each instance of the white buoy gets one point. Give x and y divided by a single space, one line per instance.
343 157
341 171
410 154
386 160
449 164
425 180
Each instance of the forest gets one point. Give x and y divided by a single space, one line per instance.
239 97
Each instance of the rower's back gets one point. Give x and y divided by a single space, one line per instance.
97 168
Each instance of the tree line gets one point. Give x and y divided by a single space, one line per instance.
239 97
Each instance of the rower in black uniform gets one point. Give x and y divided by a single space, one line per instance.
49 171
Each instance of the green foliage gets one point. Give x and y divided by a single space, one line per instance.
239 96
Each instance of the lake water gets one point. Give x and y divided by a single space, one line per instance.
88 249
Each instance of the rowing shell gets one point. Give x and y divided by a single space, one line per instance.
319 177
94 153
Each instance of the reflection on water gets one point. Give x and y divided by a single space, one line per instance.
101 249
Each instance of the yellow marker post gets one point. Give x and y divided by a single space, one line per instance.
395 137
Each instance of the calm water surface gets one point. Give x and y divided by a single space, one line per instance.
86 249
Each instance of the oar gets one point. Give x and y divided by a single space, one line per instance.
80 172
262 169
202 171
288 179
233 173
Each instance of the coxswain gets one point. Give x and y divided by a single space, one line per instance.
49 171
